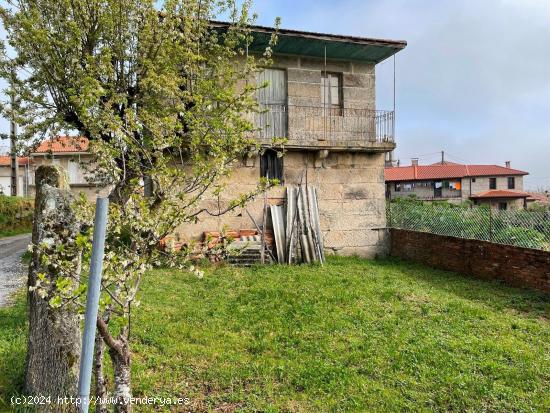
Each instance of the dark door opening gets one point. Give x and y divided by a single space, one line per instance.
271 165
438 189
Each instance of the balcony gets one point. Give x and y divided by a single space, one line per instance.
311 127
447 195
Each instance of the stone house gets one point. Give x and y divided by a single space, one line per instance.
498 186
321 98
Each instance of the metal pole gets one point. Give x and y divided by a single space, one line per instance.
264 224
490 223
394 100
13 145
92 304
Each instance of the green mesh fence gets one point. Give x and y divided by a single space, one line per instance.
522 228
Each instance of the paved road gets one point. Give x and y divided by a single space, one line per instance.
13 274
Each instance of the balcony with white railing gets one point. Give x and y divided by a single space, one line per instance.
327 127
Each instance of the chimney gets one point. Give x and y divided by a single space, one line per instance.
414 161
508 163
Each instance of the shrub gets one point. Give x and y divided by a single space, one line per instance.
15 215
522 228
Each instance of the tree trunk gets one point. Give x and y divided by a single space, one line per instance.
121 366
54 341
100 382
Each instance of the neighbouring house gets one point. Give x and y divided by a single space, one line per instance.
70 153
498 186
23 175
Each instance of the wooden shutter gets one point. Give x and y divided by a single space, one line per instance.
272 98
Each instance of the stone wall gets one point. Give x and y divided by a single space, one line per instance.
520 267
79 185
309 124
304 81
481 184
351 200
518 203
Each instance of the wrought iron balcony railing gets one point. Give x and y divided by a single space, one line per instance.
309 125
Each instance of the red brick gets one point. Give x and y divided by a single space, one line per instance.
520 267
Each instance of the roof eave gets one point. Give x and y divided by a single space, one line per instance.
377 49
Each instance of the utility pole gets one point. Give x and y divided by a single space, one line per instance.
13 146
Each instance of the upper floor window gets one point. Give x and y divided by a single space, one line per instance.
511 182
331 90
492 183
74 171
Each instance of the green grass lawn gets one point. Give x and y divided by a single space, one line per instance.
353 336
13 341
12 232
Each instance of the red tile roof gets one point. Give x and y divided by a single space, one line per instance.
448 170
444 163
538 197
6 160
63 144
500 193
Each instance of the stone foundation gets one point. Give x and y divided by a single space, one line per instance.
351 199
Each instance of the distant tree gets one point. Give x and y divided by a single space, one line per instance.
163 98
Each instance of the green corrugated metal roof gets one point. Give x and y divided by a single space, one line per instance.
293 42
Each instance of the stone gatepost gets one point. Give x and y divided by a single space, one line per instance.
54 342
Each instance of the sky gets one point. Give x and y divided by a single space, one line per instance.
474 80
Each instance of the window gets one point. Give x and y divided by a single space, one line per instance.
331 90
511 182
397 187
73 171
492 183
503 206
473 179
271 165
